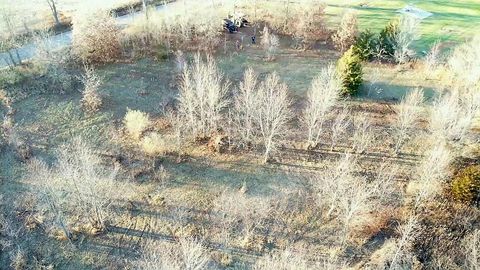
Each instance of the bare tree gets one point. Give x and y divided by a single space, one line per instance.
347 32
202 97
324 93
245 105
77 187
471 250
408 113
273 112
50 198
402 253
328 182
9 42
240 215
53 7
407 33
340 125
452 116
348 196
463 63
431 172
196 26
362 135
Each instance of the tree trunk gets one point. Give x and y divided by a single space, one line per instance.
53 8
18 56
268 146
14 63
144 8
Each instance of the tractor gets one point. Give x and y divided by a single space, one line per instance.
234 21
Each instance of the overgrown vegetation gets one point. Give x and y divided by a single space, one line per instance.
95 37
245 150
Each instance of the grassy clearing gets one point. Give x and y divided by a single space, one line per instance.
452 21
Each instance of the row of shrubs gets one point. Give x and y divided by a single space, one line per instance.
368 46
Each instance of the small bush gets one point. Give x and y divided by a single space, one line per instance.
95 37
350 69
153 144
365 45
136 122
466 186
91 100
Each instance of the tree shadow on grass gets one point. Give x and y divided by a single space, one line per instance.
261 180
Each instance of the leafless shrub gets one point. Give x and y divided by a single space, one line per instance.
408 113
202 97
350 197
362 135
180 61
285 260
463 63
136 122
407 33
328 182
451 117
187 253
471 250
307 25
340 125
52 61
432 59
240 215
178 130
273 113
95 37
270 43
347 32
430 174
91 100
324 93
77 188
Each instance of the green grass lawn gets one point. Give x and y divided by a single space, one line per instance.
452 21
